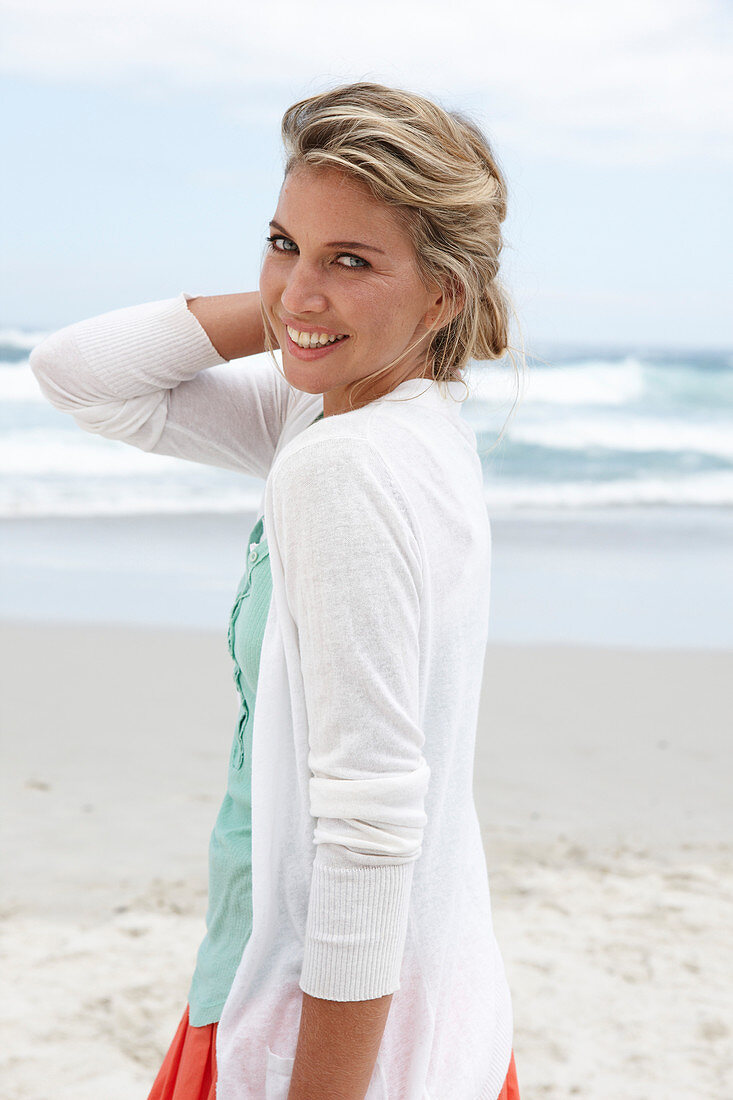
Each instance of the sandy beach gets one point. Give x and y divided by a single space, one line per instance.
602 785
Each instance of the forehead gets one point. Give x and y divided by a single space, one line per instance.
340 205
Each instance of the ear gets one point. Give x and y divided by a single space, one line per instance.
447 303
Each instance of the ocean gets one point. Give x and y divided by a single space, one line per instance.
624 428
610 493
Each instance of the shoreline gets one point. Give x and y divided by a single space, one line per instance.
640 578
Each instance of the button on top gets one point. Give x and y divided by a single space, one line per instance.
253 554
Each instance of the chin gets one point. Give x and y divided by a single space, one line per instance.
300 380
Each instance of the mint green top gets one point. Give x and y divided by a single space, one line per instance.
229 913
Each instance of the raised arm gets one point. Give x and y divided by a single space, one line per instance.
158 376
233 323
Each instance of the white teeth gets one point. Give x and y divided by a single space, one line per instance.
311 339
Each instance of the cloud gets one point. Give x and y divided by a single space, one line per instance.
625 82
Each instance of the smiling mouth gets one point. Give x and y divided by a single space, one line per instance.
308 340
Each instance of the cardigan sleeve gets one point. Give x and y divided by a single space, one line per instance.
148 375
353 580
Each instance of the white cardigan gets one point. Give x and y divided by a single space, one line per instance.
368 870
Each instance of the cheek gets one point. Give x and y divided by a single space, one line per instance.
382 312
267 281
399 303
269 294
395 324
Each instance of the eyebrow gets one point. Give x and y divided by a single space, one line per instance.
336 244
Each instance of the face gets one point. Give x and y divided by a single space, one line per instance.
340 263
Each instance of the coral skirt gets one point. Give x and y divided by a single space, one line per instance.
189 1068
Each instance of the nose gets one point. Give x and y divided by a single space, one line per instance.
302 292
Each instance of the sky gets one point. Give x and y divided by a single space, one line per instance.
142 150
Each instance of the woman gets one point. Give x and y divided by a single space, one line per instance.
349 949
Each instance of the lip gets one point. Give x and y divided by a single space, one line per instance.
312 353
299 327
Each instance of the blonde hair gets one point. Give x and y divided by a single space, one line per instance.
437 171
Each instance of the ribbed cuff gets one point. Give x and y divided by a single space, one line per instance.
160 343
356 929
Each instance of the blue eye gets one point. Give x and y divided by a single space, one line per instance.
349 256
272 244
360 265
